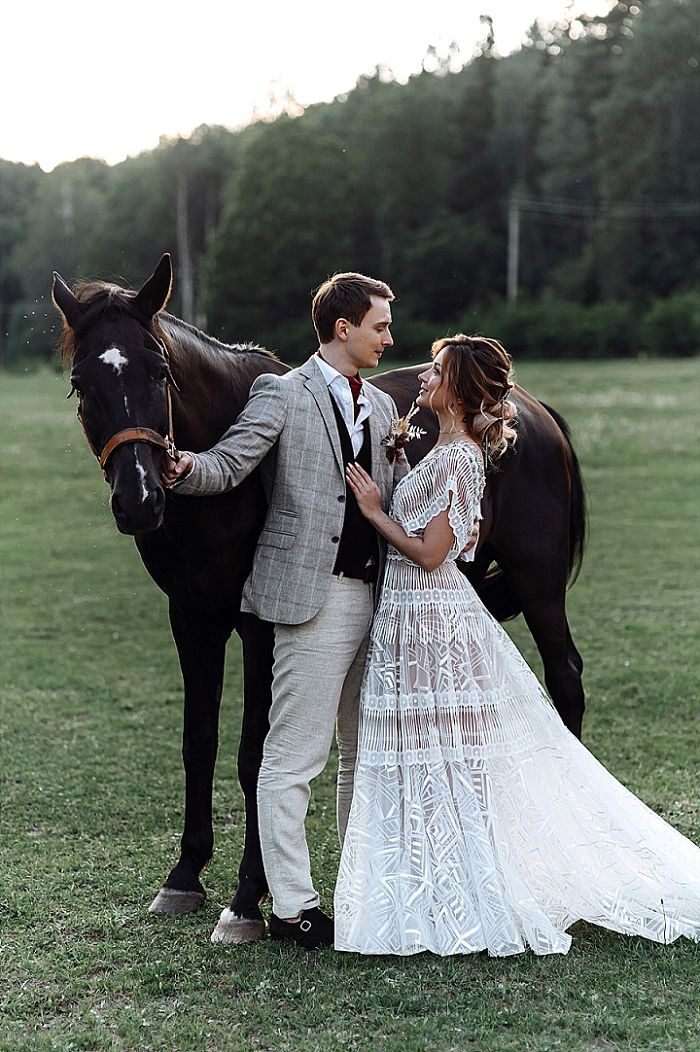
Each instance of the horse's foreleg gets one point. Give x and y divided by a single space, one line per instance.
201 648
243 921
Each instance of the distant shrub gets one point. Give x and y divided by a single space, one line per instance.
671 327
614 330
551 328
413 337
554 328
293 341
31 336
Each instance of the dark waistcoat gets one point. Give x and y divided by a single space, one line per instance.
358 548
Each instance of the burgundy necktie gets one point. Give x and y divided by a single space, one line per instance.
355 388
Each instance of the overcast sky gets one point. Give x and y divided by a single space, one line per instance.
82 78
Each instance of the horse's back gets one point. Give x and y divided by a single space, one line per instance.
529 495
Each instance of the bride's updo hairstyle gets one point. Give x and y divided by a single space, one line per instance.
479 376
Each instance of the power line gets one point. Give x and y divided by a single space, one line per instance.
562 206
567 209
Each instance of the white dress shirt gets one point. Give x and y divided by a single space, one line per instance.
341 394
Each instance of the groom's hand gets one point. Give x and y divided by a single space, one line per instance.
175 470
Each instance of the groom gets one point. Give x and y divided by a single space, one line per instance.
315 569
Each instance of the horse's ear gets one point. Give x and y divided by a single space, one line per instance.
155 292
70 307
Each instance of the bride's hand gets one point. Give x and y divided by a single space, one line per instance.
369 499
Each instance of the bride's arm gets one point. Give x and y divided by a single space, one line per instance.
428 551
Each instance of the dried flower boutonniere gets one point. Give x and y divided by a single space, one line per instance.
402 431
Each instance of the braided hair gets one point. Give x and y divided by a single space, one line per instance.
479 375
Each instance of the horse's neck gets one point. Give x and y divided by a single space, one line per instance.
213 388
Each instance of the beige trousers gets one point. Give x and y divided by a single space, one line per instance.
317 674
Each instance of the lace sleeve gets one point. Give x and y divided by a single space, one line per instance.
453 479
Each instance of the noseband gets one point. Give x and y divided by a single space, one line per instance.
135 434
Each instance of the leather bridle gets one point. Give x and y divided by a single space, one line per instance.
135 434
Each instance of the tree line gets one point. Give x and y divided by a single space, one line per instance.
550 198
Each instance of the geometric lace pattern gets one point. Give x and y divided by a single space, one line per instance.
478 821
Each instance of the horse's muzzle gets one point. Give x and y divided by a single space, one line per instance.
142 514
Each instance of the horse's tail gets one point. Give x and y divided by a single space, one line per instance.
578 516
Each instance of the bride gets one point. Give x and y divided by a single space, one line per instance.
478 822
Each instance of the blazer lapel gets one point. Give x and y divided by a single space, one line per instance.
316 385
379 425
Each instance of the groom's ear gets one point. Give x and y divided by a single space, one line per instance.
341 329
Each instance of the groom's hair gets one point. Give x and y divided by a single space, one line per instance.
344 296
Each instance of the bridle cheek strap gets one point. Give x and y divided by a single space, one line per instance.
136 434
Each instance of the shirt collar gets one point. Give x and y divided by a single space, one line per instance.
330 374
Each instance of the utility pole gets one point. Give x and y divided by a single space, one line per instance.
183 250
513 248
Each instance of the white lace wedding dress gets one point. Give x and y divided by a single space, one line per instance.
478 821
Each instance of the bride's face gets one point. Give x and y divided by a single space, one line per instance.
434 389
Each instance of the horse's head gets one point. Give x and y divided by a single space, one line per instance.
120 373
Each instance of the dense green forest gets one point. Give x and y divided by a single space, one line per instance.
550 198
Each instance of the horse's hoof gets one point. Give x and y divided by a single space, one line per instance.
233 929
176 903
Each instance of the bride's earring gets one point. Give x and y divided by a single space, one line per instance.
453 409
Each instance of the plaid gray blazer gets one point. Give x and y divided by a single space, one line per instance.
296 550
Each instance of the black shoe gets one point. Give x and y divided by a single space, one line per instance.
312 931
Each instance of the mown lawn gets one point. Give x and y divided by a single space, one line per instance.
92 782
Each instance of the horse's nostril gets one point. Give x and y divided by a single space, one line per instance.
138 509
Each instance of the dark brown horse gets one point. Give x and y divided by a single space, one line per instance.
532 536
140 375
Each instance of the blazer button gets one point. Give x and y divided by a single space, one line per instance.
341 498
334 540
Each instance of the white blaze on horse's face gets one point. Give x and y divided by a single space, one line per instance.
142 475
114 357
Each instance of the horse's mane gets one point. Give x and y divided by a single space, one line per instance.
175 329
172 331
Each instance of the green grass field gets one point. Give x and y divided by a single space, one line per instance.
92 780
